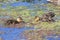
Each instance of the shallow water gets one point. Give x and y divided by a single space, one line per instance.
16 34
14 4
12 33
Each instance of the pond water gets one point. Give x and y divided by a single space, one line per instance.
16 34
14 4
52 38
12 33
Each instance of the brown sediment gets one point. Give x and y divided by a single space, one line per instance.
1 38
20 25
31 35
2 32
38 34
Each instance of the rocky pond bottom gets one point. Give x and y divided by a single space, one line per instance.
28 34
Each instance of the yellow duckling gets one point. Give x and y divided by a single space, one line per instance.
36 20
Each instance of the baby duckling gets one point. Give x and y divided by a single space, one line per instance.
36 20
48 17
12 21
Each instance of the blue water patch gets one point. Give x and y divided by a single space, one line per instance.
44 1
12 33
16 34
14 4
58 38
4 6
19 4
41 1
52 37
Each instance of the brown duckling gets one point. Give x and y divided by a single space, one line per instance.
12 21
51 14
48 17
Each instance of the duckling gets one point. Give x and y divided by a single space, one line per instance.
51 14
12 21
44 18
48 17
36 20
20 20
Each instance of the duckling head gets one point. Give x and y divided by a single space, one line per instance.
19 19
37 18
